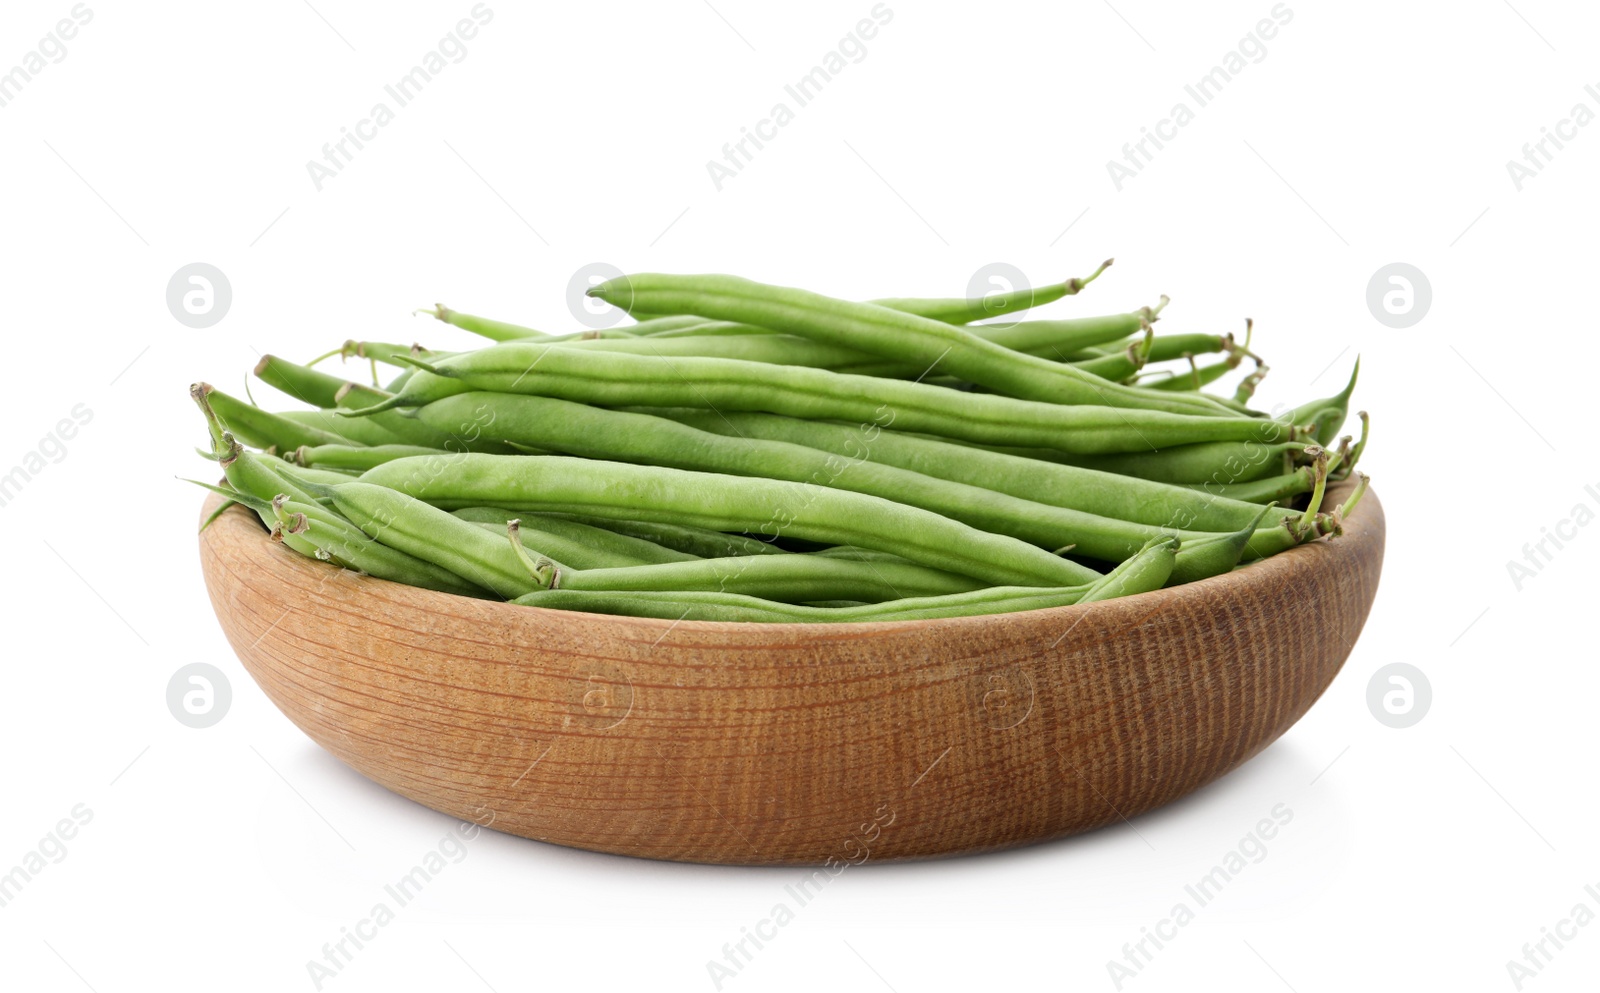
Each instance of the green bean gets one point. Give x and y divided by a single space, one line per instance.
682 606
265 429
726 503
784 578
692 606
334 539
1169 347
1056 339
484 555
619 379
906 338
671 324
1053 339
704 327
1328 415
1223 462
1214 555
1145 571
1149 570
423 387
1088 490
330 536
582 546
724 339
500 331
672 606
331 428
357 457
1180 465
772 349
953 310
1196 376
692 541
355 399
297 475
409 525
483 326
301 382
1120 366
580 556
964 310
399 383
323 390
857 554
642 439
1269 490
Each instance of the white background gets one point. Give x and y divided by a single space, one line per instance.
1370 133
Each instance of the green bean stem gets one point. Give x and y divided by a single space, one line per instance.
1247 385
1361 445
1319 467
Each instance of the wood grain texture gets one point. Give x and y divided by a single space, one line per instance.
789 743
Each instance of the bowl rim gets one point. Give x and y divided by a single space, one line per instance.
1364 525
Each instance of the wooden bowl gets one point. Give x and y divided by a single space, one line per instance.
788 744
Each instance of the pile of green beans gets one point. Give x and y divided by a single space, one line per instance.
758 453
